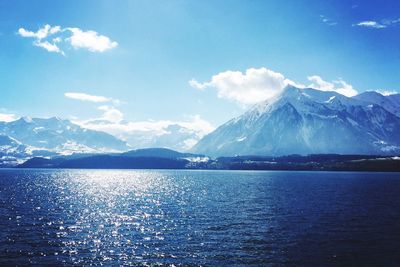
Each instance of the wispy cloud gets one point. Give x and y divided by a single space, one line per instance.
90 98
391 22
327 20
42 33
371 24
385 23
52 38
387 92
339 86
51 47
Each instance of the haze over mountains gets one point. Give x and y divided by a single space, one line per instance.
297 121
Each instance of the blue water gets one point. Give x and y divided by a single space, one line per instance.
209 218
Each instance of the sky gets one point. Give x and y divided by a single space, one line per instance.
134 65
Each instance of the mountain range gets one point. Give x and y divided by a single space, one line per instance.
297 121
28 137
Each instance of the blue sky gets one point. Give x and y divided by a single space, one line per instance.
233 52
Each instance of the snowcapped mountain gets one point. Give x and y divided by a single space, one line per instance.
32 137
307 121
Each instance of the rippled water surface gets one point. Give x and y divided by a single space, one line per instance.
210 218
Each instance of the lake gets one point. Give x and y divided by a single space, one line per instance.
208 218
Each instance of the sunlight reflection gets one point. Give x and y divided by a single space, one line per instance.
113 209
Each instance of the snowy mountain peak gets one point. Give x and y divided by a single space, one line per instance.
306 121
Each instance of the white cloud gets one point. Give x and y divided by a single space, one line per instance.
371 24
256 85
90 40
48 46
378 25
320 84
345 88
195 84
111 114
7 117
42 33
338 86
246 88
50 38
87 97
387 92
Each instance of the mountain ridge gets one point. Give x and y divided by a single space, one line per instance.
298 121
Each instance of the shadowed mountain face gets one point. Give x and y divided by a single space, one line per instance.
308 121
